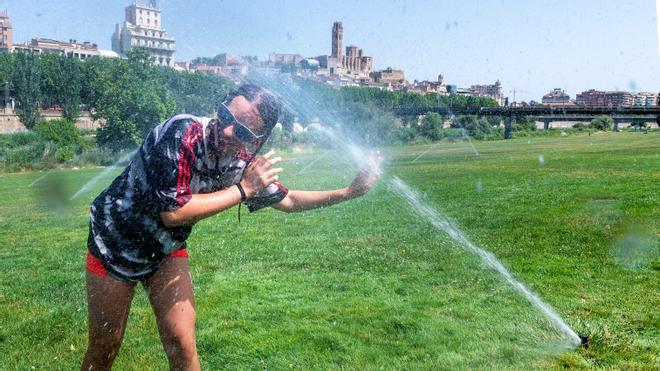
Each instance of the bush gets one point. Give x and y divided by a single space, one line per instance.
496 134
62 131
477 127
602 123
17 139
95 156
452 134
24 151
525 124
405 135
64 153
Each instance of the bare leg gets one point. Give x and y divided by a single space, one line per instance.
109 302
171 295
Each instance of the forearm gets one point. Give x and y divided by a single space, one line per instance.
202 206
296 201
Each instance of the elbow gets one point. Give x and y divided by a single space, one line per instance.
284 208
170 220
286 205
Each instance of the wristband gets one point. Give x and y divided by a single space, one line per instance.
240 189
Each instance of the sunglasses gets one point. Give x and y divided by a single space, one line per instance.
244 135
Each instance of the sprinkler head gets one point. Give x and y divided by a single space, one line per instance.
585 340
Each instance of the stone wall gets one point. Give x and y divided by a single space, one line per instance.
10 123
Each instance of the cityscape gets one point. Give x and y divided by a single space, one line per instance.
344 66
401 185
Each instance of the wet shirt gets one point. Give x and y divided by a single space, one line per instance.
126 231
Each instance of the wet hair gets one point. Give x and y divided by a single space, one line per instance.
267 104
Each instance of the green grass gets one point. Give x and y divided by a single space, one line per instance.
371 284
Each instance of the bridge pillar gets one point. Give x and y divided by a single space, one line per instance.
638 124
508 123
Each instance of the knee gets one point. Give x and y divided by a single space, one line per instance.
181 345
181 348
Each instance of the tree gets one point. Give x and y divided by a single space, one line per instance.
6 72
68 92
475 126
26 78
431 125
51 78
134 102
603 123
96 79
6 68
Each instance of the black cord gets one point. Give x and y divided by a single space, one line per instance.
240 189
243 198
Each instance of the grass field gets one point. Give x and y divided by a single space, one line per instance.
371 284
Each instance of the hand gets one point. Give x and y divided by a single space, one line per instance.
367 177
260 174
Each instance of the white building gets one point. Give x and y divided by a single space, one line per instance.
143 27
645 99
70 48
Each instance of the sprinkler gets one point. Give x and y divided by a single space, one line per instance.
585 340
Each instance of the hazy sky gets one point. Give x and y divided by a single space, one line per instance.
532 46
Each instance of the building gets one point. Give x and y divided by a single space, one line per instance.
645 99
425 86
6 33
337 40
354 62
596 98
556 97
143 27
389 76
70 48
493 91
285 58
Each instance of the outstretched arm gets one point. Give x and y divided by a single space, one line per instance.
296 201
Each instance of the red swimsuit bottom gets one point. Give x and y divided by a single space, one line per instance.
95 266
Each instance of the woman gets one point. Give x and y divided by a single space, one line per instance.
187 169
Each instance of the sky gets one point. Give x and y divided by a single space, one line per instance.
531 46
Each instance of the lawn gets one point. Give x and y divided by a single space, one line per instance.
371 283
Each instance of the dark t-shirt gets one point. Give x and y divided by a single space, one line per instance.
126 232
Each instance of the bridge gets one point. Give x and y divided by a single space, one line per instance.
546 114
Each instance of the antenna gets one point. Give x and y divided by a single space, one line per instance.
514 93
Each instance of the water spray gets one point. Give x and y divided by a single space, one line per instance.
400 188
288 94
101 175
39 179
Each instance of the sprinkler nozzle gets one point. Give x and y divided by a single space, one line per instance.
585 340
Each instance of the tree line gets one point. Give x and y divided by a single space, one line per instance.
129 95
